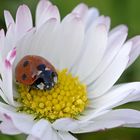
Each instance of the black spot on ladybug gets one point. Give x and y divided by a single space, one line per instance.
24 77
41 67
26 63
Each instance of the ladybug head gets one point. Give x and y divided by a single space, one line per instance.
46 79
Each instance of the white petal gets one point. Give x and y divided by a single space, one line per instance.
68 41
10 40
51 134
134 94
135 52
127 116
137 125
111 74
117 95
115 42
23 46
2 47
42 41
101 20
2 95
80 10
65 124
91 16
45 11
115 118
98 126
8 18
23 122
122 28
30 137
66 136
68 125
41 128
93 51
91 113
2 35
55 135
23 21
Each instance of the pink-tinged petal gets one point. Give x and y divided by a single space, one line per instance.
111 74
7 76
7 64
8 18
80 10
21 121
7 126
23 21
135 52
112 119
45 11
10 58
115 42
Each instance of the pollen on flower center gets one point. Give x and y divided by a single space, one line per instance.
67 99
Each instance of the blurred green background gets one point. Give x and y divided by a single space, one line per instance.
121 12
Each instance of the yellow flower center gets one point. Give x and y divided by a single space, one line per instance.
68 98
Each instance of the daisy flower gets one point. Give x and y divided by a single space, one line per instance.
88 57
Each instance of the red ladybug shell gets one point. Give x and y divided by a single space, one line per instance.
26 70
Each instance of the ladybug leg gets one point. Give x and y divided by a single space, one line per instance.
29 89
33 86
38 84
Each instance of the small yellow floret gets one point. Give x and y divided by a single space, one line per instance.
68 98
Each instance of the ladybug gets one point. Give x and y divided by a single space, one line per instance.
36 72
